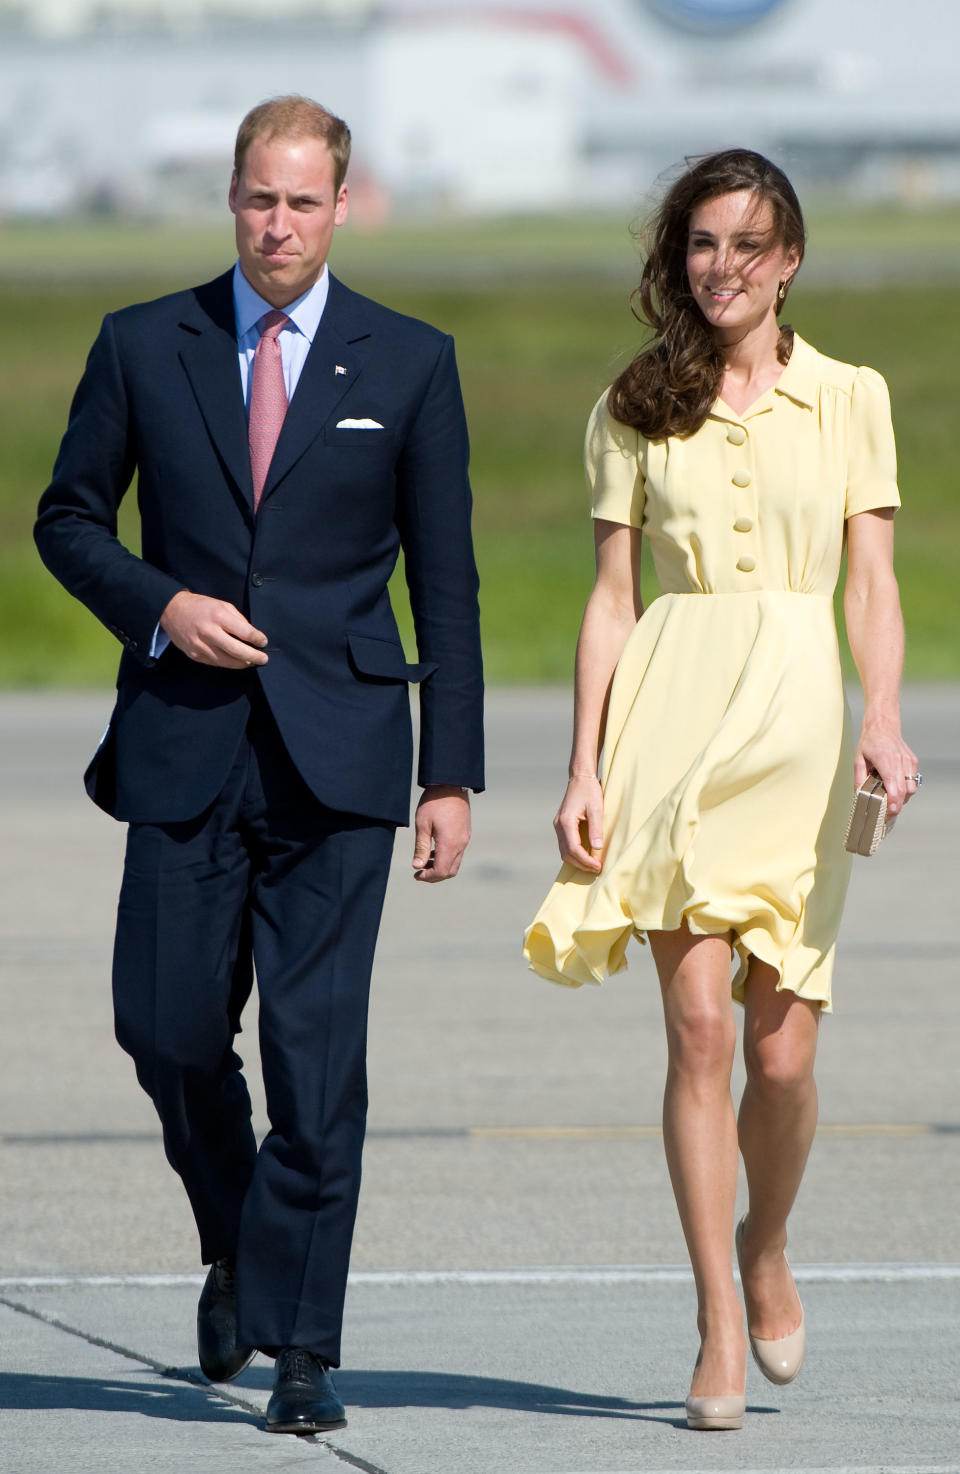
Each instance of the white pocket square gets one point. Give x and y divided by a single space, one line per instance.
359 425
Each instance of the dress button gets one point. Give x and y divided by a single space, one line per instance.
257 580
736 434
743 524
741 478
746 564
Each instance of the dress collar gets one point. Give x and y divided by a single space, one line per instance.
799 381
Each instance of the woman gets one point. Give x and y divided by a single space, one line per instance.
716 825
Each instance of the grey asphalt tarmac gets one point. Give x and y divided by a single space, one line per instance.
518 1303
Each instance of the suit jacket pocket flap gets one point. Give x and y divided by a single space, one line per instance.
385 659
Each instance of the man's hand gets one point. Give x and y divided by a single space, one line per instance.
212 631
443 832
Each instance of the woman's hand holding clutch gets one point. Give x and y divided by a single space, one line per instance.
882 750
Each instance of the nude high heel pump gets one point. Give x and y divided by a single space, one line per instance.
708 1413
779 1360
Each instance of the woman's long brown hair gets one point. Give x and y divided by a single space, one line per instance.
673 383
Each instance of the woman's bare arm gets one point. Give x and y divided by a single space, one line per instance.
871 605
612 611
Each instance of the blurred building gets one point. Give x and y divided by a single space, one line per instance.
131 105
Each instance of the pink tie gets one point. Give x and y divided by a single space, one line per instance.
268 400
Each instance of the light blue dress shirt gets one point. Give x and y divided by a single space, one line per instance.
296 336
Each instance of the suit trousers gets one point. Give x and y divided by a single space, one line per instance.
271 879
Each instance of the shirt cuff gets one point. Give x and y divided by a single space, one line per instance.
159 643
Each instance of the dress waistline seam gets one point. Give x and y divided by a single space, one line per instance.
739 594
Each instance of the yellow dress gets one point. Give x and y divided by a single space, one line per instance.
727 760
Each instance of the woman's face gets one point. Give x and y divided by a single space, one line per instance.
735 262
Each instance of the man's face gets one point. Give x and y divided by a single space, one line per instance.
286 209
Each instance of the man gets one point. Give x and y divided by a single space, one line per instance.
289 437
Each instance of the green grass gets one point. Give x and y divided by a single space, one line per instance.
905 244
535 350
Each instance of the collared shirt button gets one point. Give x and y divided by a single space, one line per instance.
746 564
257 580
741 478
736 434
743 524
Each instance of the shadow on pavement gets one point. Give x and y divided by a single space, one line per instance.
449 1390
381 1389
152 1396
373 1389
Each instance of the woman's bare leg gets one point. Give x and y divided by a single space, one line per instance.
700 1138
777 1121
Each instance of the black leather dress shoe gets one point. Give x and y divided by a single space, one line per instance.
304 1399
221 1359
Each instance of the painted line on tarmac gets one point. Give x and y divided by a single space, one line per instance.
491 1133
644 1133
98 1281
792 1469
614 1274
648 1274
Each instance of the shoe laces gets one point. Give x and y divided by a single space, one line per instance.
225 1274
299 1364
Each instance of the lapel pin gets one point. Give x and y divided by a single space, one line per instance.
339 369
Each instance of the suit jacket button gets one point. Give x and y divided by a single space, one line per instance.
257 580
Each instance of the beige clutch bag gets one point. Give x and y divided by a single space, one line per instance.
868 821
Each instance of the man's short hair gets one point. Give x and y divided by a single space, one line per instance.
294 117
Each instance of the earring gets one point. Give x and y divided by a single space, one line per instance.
781 294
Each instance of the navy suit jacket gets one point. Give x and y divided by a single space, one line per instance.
161 396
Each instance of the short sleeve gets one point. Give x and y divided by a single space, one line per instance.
613 456
872 456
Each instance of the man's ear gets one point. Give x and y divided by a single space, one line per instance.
343 201
232 195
